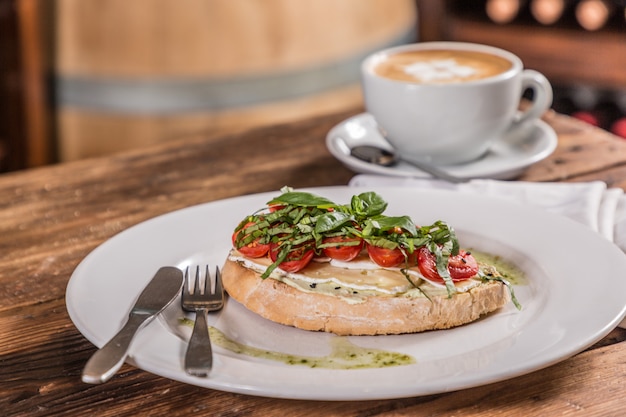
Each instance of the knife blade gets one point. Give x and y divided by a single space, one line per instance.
166 284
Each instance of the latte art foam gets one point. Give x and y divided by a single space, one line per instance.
441 66
443 70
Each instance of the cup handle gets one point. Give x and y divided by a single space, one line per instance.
542 99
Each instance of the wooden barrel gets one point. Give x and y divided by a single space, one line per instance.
131 73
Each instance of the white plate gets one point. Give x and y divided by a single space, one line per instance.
506 159
574 297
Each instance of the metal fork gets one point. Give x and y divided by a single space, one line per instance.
200 299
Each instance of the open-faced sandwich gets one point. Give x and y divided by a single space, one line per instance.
308 262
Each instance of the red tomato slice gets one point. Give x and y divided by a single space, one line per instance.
276 207
386 258
461 266
253 249
342 252
296 259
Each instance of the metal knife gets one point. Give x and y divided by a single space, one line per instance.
158 294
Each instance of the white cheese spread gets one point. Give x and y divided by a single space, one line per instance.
354 279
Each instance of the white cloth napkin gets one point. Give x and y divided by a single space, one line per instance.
593 204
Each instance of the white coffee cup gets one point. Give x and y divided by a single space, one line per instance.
447 102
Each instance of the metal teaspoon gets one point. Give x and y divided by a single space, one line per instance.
383 157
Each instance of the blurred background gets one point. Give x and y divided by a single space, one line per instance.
84 78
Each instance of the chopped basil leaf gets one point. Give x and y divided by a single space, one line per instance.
381 224
367 205
302 199
506 283
332 220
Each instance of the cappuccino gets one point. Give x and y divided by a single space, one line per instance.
434 66
447 102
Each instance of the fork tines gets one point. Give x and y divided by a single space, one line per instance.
197 285
202 293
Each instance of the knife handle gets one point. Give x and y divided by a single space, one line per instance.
109 358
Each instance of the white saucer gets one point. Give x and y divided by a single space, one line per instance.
506 159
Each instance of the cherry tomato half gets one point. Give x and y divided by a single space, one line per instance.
460 267
296 259
253 249
384 257
342 252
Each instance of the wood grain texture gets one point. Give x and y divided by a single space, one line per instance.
51 217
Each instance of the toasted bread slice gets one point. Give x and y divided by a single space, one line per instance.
374 314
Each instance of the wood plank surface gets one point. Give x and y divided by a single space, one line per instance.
52 217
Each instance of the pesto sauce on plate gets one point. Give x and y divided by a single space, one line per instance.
344 354
509 271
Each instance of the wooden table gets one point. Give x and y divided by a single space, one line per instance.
50 218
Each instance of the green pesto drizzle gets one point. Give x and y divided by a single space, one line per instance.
509 271
344 354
